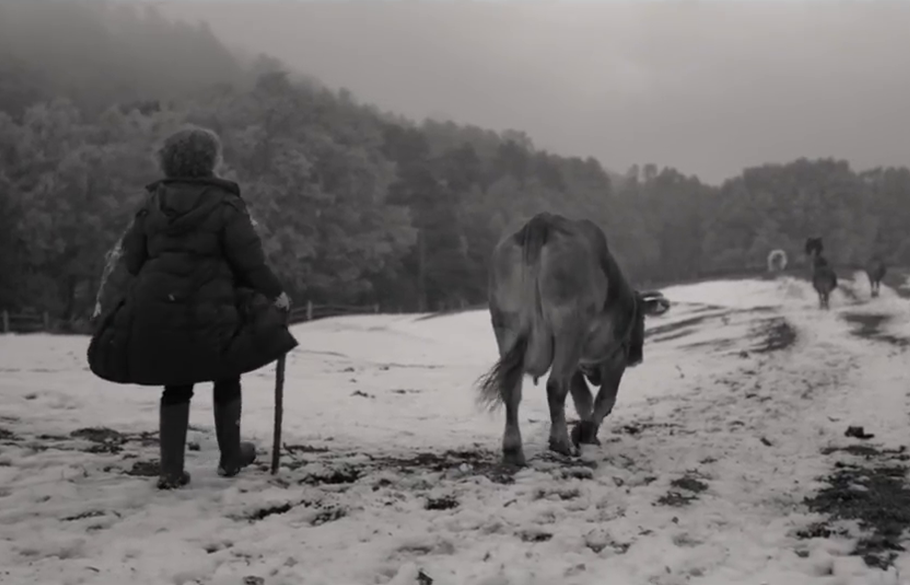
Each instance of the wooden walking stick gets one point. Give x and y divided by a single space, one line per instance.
279 406
279 413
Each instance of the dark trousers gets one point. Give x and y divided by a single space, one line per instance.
225 391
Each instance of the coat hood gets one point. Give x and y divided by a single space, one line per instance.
178 205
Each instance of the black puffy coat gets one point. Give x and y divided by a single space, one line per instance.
200 306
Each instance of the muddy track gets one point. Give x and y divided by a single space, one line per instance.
134 454
691 325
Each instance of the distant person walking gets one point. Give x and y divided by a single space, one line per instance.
203 304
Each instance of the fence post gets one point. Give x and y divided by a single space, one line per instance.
5 321
376 308
309 310
47 321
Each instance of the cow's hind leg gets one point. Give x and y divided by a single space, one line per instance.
512 450
510 383
611 377
566 355
581 396
584 406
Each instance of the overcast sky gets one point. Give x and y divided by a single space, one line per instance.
707 88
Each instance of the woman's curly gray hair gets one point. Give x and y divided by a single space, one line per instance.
191 152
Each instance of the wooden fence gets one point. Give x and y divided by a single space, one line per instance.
310 311
29 322
34 322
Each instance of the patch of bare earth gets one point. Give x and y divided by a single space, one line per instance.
683 491
869 488
776 334
127 448
869 326
99 440
326 468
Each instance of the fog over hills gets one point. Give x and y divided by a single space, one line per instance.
707 88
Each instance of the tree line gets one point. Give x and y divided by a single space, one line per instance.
357 205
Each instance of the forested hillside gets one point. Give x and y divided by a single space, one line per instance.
356 205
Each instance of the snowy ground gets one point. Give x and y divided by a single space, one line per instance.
391 474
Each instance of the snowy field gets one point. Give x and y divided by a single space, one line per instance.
390 475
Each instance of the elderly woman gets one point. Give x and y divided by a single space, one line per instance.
203 306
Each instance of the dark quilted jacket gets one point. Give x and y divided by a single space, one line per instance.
199 308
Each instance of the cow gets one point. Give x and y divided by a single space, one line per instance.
777 261
560 303
876 271
824 279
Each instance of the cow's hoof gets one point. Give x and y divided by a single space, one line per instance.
514 458
564 447
585 433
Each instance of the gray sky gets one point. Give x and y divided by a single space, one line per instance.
707 88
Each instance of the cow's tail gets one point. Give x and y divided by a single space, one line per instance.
497 385
538 352
533 238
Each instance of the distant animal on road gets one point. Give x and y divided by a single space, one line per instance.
876 271
824 279
777 261
559 302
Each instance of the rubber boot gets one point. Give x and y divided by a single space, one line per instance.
173 420
235 455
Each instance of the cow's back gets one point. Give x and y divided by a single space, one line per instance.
584 294
571 275
544 277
